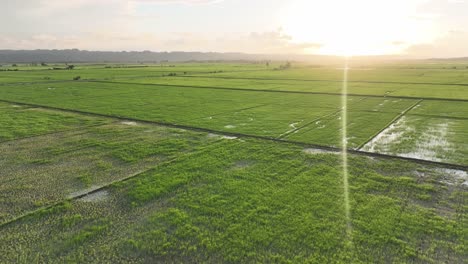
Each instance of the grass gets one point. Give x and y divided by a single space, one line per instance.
239 81
20 121
458 110
308 118
373 74
42 170
115 72
254 113
173 195
257 202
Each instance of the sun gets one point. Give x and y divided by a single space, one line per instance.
358 27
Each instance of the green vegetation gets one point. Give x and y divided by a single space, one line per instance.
116 72
84 180
308 118
45 169
248 201
17 121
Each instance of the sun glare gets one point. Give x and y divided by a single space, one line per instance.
360 27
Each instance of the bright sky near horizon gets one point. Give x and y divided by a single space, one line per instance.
421 28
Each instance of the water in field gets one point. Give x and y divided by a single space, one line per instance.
96 197
313 151
129 123
434 139
454 177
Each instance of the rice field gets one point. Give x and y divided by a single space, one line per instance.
236 163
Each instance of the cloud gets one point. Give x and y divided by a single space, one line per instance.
452 44
191 2
277 42
398 43
273 42
254 42
121 25
246 26
30 18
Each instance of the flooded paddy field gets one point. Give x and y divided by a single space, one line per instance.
432 130
436 139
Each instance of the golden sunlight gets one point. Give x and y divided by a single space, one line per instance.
361 27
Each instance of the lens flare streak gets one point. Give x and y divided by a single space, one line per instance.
344 145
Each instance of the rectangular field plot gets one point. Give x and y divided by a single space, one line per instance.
431 76
430 91
167 104
361 126
272 120
253 201
409 90
262 121
40 171
404 83
455 109
365 118
18 121
260 113
318 86
241 83
436 139
333 87
379 105
251 112
295 73
138 101
118 72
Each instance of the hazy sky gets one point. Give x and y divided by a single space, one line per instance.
432 28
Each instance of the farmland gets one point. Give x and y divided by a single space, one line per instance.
233 162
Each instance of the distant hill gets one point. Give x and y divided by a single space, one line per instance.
75 55
451 59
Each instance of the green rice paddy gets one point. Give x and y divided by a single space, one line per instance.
235 163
